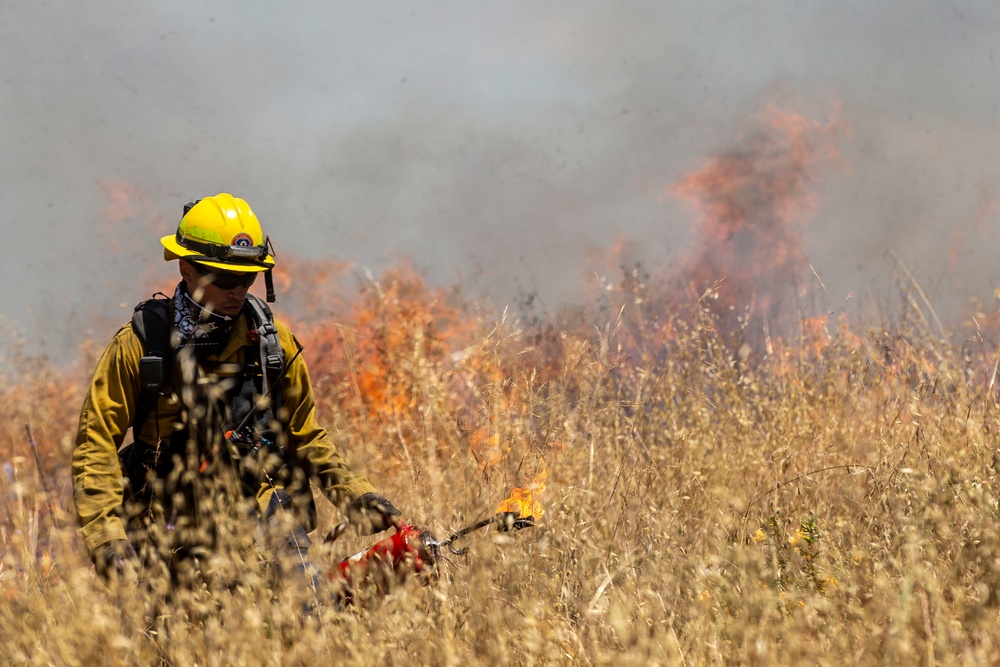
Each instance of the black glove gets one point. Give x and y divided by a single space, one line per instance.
371 513
116 558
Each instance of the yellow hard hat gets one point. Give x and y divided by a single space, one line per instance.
220 232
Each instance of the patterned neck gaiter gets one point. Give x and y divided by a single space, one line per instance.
199 327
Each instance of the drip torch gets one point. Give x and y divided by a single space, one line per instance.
407 552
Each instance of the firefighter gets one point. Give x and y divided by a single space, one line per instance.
222 414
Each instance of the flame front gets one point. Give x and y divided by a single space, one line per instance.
523 501
754 202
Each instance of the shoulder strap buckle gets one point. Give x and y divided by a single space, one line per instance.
272 357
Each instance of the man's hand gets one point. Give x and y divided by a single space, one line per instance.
371 513
116 559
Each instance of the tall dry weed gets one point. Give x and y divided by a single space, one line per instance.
829 495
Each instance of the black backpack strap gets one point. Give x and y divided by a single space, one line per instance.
152 324
270 354
272 357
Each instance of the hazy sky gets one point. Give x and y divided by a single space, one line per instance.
490 141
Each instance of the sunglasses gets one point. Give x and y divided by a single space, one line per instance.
226 280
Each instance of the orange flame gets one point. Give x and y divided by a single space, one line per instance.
128 209
123 201
754 202
523 501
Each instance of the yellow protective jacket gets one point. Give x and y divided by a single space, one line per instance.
110 408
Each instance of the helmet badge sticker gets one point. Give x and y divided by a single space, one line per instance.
242 240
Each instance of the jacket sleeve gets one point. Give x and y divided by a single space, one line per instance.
310 442
108 410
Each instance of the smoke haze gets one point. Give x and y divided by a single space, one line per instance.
495 143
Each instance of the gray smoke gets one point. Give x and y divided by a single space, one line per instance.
491 142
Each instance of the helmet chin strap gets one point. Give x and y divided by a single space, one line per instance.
269 284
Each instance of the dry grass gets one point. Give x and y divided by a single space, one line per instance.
830 501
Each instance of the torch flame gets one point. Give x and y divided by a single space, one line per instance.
522 500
